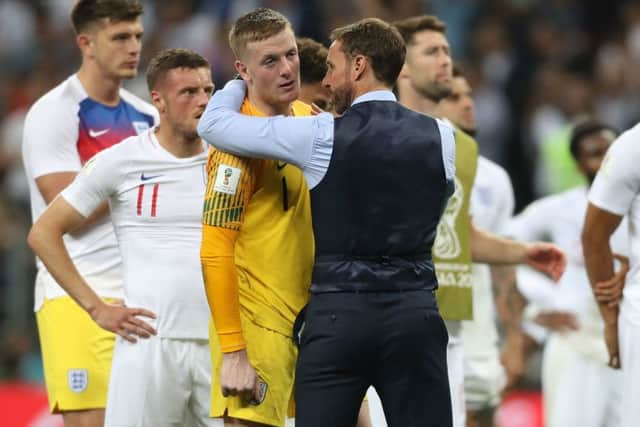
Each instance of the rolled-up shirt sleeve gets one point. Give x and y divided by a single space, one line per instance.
306 142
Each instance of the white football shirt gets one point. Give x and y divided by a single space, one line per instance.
156 203
62 130
559 218
616 189
492 204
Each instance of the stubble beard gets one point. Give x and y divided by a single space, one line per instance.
183 131
434 91
342 97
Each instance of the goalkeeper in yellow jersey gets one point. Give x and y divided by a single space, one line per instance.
257 247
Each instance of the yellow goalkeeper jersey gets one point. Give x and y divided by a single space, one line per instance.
256 213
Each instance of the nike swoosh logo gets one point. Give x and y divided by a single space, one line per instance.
97 133
147 178
280 165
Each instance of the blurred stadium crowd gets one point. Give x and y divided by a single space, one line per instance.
536 66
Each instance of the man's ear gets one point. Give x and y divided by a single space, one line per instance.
359 65
85 44
158 101
242 70
404 71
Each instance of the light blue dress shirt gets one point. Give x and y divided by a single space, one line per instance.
306 142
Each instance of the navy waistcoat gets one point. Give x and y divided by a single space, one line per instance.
376 211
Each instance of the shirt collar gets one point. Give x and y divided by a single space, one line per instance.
375 95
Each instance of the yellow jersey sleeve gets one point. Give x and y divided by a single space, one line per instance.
230 185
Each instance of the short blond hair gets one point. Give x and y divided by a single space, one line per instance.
257 25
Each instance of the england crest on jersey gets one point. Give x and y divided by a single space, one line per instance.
78 379
140 127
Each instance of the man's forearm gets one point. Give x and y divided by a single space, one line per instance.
491 249
221 288
224 102
509 301
599 226
599 263
290 139
50 248
221 285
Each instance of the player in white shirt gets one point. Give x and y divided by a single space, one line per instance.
615 194
579 389
155 185
492 204
86 113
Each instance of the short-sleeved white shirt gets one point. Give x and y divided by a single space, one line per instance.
63 130
559 219
616 189
492 204
155 201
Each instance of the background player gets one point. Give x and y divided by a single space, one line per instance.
154 183
83 115
578 387
313 67
423 82
492 205
614 194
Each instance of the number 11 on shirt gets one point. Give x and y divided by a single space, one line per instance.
154 199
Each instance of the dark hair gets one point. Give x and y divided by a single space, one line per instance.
416 24
379 41
88 12
313 60
582 130
169 59
257 25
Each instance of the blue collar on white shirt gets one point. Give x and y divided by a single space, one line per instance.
375 95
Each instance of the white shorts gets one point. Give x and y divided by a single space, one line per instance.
455 366
160 382
629 341
484 379
577 390
376 413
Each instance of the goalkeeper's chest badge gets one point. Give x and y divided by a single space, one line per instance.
77 379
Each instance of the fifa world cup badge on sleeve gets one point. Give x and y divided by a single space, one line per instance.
227 178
